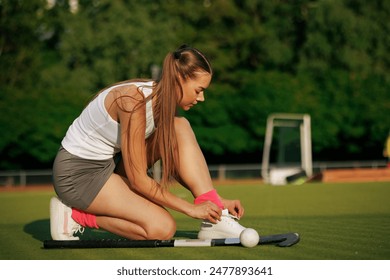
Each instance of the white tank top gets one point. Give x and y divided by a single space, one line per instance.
95 135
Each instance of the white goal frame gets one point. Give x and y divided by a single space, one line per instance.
275 175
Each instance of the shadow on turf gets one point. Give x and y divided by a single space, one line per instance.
40 230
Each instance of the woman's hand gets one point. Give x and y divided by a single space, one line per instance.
234 206
206 210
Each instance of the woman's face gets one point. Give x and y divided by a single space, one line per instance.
193 90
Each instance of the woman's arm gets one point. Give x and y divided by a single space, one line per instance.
135 161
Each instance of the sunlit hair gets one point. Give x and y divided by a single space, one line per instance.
185 63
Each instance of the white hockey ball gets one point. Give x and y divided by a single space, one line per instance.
249 237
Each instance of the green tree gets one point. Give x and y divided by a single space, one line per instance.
20 58
116 40
328 58
343 52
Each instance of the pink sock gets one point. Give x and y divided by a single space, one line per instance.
84 219
210 196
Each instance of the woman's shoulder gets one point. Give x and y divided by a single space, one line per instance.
133 88
126 97
126 93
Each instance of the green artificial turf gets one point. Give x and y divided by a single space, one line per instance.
335 221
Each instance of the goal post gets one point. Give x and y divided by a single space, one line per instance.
291 155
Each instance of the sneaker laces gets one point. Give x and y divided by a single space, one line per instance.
226 214
77 228
231 219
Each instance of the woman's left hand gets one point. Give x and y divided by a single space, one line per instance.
234 206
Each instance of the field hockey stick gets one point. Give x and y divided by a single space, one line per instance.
281 240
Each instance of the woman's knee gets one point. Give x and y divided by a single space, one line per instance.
184 130
182 123
162 229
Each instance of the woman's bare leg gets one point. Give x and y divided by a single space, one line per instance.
193 169
195 176
121 211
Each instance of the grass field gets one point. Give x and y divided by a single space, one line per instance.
335 221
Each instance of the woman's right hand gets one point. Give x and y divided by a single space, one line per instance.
207 211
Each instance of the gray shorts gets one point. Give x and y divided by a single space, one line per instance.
77 181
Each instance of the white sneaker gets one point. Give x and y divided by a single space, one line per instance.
62 225
227 227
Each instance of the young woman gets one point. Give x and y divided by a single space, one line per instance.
100 172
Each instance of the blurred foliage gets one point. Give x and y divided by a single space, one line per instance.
327 58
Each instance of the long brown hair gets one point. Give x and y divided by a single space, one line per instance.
185 63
